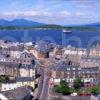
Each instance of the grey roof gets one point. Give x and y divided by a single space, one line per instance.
91 58
17 94
9 81
27 66
24 79
9 64
63 67
13 48
27 55
43 46
17 65
91 69
19 79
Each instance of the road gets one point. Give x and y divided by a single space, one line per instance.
40 85
43 84
44 93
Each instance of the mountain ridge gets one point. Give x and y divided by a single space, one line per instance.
19 23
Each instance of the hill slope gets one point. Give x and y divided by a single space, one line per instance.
19 23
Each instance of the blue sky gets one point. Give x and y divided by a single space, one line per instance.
52 11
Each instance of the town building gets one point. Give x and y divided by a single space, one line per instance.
90 61
95 51
21 93
65 71
42 50
24 58
75 51
17 69
57 52
14 83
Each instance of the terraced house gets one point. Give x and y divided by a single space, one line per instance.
20 70
65 71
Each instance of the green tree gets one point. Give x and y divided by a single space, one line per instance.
63 83
95 90
2 78
63 88
77 83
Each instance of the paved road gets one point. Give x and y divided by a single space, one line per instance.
43 85
40 85
44 94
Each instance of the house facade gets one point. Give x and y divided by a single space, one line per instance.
69 73
17 82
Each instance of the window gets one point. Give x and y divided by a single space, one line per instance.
68 68
73 68
79 68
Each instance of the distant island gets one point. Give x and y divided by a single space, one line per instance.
22 24
48 27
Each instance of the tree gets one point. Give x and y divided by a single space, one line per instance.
95 90
63 88
63 83
2 78
77 83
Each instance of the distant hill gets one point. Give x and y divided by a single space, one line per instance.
27 24
53 26
95 25
19 23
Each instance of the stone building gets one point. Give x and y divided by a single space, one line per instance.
75 51
20 93
24 58
17 69
90 61
57 52
17 82
69 73
41 50
95 50
13 51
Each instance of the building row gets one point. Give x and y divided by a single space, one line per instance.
65 71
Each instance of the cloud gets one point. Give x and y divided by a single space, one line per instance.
80 14
86 4
25 14
64 13
55 11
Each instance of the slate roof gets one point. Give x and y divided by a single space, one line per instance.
17 65
43 46
24 79
13 48
27 55
17 94
91 58
9 64
64 67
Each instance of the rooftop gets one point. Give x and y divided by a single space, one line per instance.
17 65
43 46
17 94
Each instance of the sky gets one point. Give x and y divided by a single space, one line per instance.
64 12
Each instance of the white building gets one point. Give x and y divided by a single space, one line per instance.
75 51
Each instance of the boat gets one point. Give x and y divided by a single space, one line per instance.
66 31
